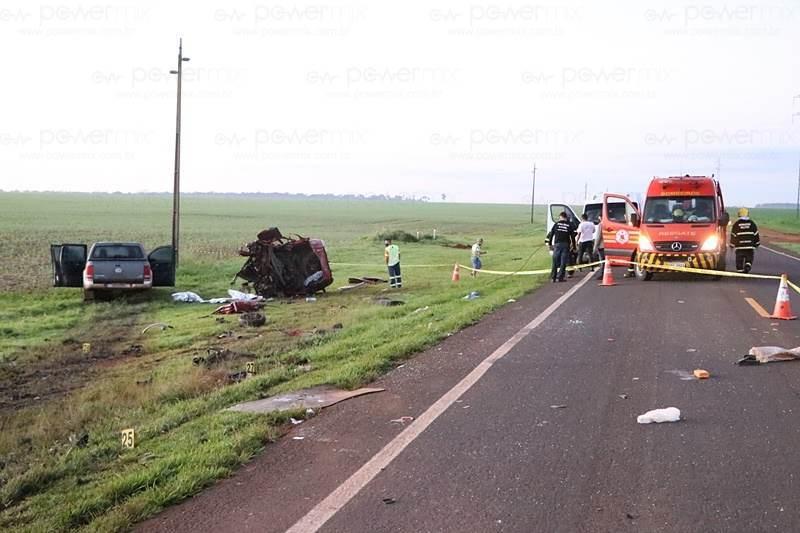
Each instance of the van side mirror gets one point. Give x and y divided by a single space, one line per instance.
635 222
724 219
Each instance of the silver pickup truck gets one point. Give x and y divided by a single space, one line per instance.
111 267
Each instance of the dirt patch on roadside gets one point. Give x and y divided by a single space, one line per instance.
779 236
54 370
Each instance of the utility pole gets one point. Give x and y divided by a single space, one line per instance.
585 191
176 185
533 190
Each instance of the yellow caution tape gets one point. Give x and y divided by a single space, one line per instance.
402 265
795 287
699 270
528 272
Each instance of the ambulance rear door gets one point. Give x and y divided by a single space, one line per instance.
620 225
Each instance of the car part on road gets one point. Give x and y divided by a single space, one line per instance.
699 373
769 354
669 414
315 397
277 265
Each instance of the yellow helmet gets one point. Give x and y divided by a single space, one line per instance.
743 212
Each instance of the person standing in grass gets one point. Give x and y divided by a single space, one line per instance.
476 257
391 254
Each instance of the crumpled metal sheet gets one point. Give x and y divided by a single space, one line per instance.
313 398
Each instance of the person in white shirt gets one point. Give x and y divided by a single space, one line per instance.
391 254
585 240
476 257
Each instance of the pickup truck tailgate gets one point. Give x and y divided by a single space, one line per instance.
129 271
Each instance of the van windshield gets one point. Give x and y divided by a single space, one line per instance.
679 209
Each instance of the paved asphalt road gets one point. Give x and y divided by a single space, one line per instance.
502 459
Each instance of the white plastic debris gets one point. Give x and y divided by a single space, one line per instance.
669 414
188 297
239 295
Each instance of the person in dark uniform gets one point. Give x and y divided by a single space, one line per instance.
745 240
561 241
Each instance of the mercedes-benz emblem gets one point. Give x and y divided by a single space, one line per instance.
676 246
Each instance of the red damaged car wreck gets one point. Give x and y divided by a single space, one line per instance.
280 266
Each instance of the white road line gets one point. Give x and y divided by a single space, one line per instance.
779 253
337 499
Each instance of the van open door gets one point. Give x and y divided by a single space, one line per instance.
620 225
68 262
553 211
162 263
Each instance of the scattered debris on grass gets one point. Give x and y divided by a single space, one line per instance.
216 356
133 349
160 325
769 354
237 306
187 297
420 309
668 414
313 398
388 302
357 283
472 296
252 319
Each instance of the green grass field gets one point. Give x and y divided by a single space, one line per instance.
53 395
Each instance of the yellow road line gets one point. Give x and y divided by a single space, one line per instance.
757 306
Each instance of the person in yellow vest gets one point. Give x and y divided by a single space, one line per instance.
391 254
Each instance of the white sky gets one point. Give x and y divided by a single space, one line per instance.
418 98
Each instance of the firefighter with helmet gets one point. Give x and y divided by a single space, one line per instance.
745 240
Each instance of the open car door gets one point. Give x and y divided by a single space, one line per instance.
162 263
68 262
620 227
553 210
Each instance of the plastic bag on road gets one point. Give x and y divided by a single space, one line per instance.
769 354
669 414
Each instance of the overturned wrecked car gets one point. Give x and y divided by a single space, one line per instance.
280 266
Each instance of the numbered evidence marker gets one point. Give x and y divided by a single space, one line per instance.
128 439
250 367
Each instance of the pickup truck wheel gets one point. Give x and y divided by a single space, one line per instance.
88 295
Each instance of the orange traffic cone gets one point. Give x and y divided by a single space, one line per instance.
456 274
783 309
608 277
